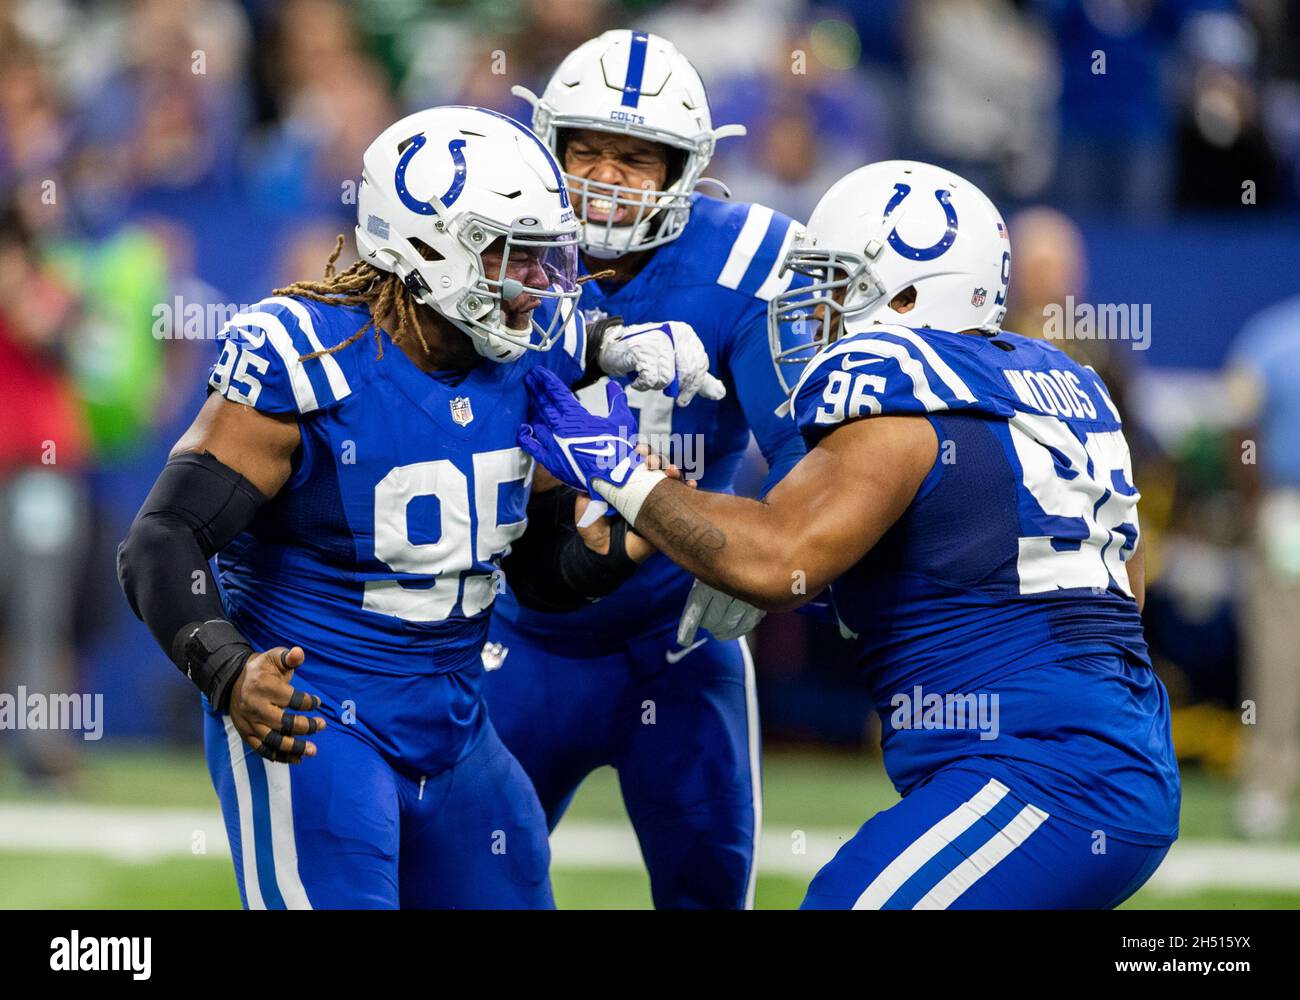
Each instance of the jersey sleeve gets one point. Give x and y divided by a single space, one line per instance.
261 361
757 241
890 371
754 255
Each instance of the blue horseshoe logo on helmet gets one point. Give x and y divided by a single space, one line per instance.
943 196
457 150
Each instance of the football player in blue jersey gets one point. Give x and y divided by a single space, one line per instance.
627 682
361 503
968 500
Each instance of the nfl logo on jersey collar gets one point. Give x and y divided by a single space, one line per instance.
461 410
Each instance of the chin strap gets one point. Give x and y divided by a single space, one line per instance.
521 91
723 192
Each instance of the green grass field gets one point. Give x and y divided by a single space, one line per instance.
826 795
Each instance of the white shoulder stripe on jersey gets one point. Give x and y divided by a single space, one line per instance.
885 349
995 849
243 797
746 245
775 283
918 853
949 377
338 383
303 393
911 368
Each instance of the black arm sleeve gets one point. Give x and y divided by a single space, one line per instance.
551 568
196 506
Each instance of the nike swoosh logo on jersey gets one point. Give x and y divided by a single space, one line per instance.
673 655
851 362
247 336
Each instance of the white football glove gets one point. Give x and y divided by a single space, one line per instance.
725 616
658 352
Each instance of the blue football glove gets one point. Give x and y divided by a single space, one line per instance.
573 444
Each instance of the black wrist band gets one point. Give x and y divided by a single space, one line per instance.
211 654
595 338
622 563
594 575
551 568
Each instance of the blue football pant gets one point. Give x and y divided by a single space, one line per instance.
683 737
345 830
964 840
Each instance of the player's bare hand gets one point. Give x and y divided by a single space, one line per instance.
657 463
264 707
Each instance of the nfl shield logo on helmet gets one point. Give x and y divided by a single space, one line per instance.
461 410
977 297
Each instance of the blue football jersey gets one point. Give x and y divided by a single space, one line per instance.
718 276
381 554
1006 575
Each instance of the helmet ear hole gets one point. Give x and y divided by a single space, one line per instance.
676 165
562 136
425 251
904 301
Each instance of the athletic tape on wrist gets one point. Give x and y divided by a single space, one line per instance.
628 498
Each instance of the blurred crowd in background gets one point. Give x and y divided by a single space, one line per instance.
158 156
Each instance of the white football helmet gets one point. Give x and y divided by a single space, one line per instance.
452 182
630 83
880 230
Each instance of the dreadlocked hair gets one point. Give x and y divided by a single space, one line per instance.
362 284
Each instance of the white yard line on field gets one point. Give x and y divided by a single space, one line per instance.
145 834
115 832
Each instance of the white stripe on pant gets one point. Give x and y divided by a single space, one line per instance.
279 811
939 836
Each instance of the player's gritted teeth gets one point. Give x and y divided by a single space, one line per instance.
605 210
608 162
